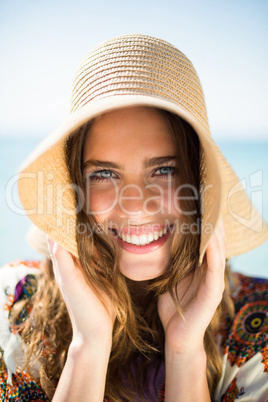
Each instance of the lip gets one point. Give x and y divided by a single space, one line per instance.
143 229
147 248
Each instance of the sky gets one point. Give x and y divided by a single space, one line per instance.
43 42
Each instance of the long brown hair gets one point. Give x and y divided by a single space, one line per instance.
137 332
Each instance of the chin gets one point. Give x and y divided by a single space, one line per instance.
144 270
141 276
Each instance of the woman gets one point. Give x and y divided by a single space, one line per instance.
134 196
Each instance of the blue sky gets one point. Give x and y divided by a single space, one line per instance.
42 44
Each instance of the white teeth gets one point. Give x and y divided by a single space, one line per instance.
150 237
128 238
142 239
135 240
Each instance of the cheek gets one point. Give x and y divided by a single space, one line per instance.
161 198
101 202
170 200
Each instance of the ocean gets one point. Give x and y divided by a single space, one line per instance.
248 159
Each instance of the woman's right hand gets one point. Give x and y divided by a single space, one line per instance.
91 319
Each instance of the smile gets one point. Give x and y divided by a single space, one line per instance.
140 243
143 239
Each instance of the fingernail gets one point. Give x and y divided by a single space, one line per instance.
50 245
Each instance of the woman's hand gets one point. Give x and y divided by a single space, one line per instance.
91 319
198 300
85 369
199 296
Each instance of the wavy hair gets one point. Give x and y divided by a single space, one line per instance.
138 336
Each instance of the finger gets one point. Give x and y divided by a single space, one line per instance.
217 242
216 260
215 256
220 230
63 263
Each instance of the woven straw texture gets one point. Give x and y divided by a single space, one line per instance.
137 70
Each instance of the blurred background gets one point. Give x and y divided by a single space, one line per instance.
42 44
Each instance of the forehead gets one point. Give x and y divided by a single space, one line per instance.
135 130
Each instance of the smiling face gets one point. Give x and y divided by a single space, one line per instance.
129 162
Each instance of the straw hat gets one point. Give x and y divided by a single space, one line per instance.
126 71
37 240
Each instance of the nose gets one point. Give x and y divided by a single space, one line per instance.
130 200
137 199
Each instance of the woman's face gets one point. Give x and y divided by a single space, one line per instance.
129 162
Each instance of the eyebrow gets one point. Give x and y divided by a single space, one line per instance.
148 163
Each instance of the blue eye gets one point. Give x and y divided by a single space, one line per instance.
101 175
105 174
165 171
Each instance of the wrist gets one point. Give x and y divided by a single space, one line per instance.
81 344
185 373
85 338
174 354
85 370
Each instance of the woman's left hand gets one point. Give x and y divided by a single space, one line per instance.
199 301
